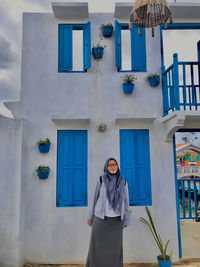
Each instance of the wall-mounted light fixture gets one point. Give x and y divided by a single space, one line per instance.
102 127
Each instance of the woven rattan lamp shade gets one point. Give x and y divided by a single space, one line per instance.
150 13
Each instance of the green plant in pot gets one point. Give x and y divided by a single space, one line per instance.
97 50
153 79
128 83
44 145
106 29
164 259
43 172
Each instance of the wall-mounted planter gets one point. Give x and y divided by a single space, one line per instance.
44 148
44 145
154 81
107 31
128 88
163 263
97 52
43 172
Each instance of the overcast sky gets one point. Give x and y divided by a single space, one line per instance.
10 37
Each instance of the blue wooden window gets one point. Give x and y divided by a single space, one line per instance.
138 47
72 168
135 165
65 46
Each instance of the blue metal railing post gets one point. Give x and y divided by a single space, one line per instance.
177 199
198 50
176 82
164 92
198 54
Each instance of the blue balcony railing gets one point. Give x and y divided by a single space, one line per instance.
189 198
181 86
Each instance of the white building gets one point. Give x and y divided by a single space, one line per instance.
45 220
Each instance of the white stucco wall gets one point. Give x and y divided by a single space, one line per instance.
10 168
60 235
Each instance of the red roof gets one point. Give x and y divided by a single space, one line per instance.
179 145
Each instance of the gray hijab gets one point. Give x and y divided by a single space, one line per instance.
114 186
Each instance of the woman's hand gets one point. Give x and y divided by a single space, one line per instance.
89 222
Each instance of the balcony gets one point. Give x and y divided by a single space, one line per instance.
183 171
181 86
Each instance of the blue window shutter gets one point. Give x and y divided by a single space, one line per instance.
142 167
135 165
127 161
118 54
65 48
138 49
87 46
72 168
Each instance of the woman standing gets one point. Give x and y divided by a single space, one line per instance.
108 215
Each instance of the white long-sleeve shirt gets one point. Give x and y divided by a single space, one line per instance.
98 205
109 210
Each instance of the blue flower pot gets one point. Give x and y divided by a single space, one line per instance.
44 148
107 31
163 263
154 81
128 88
97 52
43 175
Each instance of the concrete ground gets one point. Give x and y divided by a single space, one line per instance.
190 236
186 263
190 239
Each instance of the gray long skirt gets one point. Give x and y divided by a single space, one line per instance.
105 249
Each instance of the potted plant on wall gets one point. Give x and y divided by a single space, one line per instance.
153 79
44 145
164 260
128 85
43 172
97 50
106 29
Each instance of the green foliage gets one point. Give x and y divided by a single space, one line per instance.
153 75
162 247
43 142
98 45
104 25
43 169
180 156
189 138
129 78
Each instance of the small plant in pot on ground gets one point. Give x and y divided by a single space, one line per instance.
106 29
97 50
128 85
43 172
153 79
44 145
164 259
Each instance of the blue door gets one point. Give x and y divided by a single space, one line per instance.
135 165
72 168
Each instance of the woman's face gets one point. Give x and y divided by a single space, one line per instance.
112 166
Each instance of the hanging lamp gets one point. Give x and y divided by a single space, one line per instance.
150 13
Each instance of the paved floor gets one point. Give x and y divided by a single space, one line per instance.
190 239
190 235
180 264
